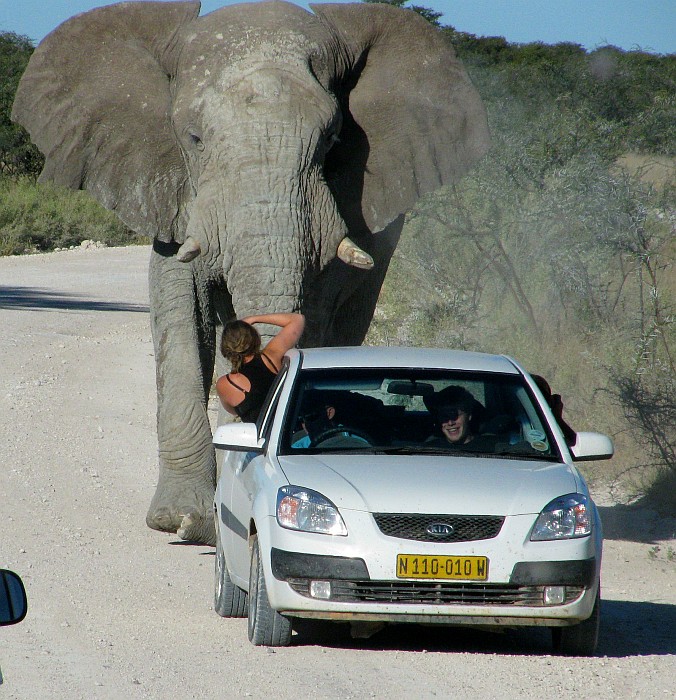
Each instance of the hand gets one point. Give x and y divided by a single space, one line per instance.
556 404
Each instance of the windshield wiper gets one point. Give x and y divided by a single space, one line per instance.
423 450
412 450
455 452
359 449
538 456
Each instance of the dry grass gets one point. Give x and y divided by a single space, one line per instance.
653 169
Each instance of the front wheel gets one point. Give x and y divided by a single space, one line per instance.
580 639
266 627
229 600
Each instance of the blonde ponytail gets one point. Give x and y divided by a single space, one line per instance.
239 340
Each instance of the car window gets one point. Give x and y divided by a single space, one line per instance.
415 411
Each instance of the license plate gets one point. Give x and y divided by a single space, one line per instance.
457 568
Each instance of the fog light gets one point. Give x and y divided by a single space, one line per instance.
320 589
554 595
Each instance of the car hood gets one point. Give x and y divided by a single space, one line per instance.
432 484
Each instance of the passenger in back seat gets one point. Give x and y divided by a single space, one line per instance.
556 405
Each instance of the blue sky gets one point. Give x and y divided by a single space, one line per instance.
646 24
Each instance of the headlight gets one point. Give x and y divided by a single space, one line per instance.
307 510
565 517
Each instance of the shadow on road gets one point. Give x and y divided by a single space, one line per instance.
636 523
627 629
35 298
635 628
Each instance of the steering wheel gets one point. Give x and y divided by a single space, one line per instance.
332 432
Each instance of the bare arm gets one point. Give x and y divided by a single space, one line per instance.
291 329
281 320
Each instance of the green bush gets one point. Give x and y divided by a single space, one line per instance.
38 218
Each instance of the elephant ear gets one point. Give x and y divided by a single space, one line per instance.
95 99
414 120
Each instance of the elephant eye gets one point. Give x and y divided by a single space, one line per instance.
197 142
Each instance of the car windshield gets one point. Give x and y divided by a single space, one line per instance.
415 411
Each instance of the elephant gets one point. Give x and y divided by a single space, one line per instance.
270 153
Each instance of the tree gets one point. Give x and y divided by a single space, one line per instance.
432 16
18 156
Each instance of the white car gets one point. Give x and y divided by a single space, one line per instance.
407 485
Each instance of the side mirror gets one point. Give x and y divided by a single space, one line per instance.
590 446
240 437
13 601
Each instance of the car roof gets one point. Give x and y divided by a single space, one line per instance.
390 356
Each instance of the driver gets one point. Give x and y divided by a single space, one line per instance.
322 418
315 423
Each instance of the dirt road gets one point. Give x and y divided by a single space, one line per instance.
120 611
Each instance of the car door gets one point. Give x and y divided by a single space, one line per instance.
233 533
245 468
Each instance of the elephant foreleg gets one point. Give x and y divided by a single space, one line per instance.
183 337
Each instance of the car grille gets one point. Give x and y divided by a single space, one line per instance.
434 593
463 528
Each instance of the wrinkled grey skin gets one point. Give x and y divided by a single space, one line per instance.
262 134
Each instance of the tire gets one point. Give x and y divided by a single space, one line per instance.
229 600
266 627
580 639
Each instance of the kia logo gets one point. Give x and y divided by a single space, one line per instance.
439 529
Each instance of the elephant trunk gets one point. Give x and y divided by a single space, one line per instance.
284 233
266 261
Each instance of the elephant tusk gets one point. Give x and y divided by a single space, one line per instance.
189 250
351 254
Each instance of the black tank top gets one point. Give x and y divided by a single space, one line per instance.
260 377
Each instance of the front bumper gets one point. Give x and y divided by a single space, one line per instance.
287 566
349 583
364 585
